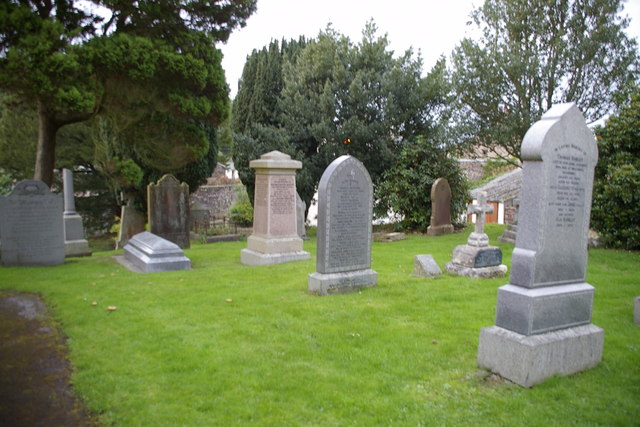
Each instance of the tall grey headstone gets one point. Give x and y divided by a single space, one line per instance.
31 226
147 253
440 208
168 210
275 237
345 207
75 243
477 258
543 316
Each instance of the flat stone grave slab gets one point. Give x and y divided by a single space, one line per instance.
425 266
147 253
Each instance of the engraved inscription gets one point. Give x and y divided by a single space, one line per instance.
260 192
282 200
567 189
350 222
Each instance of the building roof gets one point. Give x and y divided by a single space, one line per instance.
502 188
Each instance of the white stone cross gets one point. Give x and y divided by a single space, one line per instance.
478 237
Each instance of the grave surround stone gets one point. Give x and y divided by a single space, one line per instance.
75 243
345 207
440 208
477 258
275 236
425 266
31 226
168 210
147 253
543 316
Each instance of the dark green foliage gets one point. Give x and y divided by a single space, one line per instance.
406 188
241 213
317 100
533 54
616 193
152 67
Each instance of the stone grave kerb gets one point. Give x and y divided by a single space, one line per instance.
478 237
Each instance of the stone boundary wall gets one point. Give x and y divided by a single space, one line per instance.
217 198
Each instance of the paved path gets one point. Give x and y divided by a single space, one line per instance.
34 370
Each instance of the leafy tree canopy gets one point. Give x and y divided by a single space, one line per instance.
616 195
147 65
533 54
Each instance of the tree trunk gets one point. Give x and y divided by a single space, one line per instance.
46 150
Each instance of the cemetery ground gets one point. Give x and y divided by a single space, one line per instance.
227 344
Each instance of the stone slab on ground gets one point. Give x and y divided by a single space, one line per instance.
477 273
425 266
529 360
389 237
148 253
341 283
254 258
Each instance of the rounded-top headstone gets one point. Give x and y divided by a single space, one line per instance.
345 206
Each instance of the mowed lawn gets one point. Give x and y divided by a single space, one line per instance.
228 344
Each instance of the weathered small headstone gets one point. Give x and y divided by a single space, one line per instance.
543 317
425 266
147 253
168 210
131 223
509 234
440 208
275 236
345 207
301 208
31 226
477 258
199 218
75 243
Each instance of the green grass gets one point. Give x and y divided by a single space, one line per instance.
175 352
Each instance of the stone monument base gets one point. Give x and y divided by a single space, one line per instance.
439 230
73 248
529 360
341 283
147 253
478 273
251 257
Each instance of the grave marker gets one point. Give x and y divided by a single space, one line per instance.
75 243
345 207
168 210
440 208
275 236
543 317
31 226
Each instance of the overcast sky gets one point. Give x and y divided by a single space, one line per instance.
432 26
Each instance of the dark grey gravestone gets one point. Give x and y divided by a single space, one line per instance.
147 253
345 208
301 208
75 243
440 208
636 310
425 266
31 226
168 210
547 296
477 258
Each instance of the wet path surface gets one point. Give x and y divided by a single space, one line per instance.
34 371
